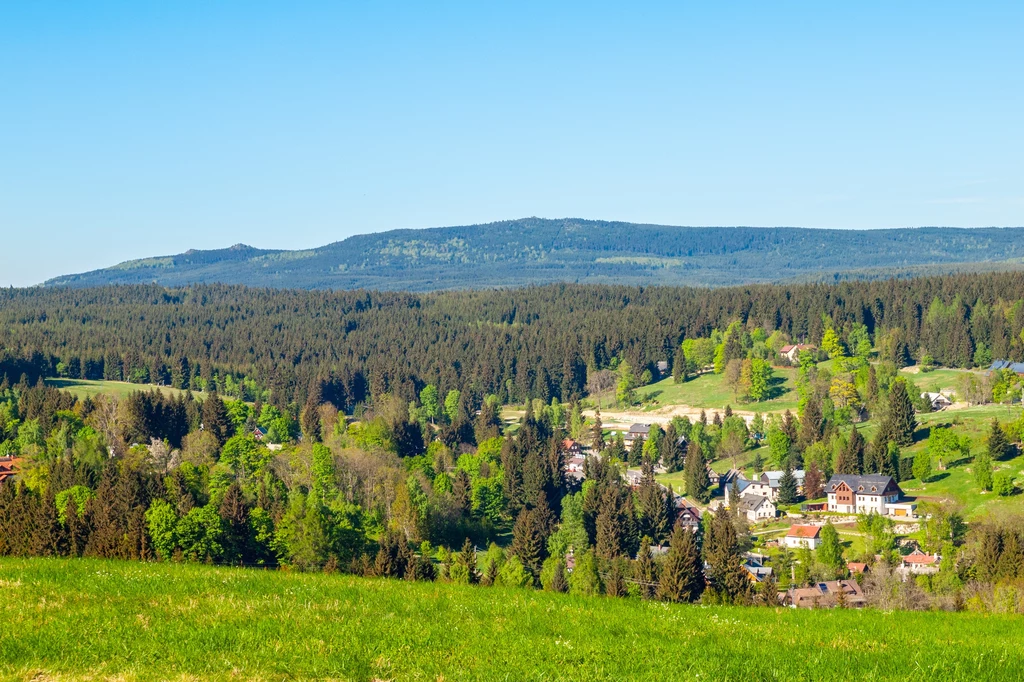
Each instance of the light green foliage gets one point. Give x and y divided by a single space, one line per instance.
322 473
922 466
79 494
451 405
778 443
1002 484
585 580
983 471
830 551
571 534
513 574
947 446
162 522
859 341
760 379
199 533
624 390
245 455
878 532
831 344
238 412
700 353
430 401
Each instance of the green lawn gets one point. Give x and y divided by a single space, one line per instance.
90 619
86 388
710 391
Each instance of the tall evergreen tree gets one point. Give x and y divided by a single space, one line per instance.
787 487
215 418
597 433
528 541
644 569
998 446
612 525
899 423
724 563
812 422
698 485
682 577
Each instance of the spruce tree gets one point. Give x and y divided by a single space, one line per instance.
1011 559
899 423
644 570
830 551
770 592
998 447
682 578
983 471
811 423
636 451
527 541
467 557
615 584
611 525
679 368
722 555
559 580
597 433
787 487
758 463
671 452
654 520
814 482
698 486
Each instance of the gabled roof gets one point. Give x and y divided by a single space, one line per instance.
920 558
640 428
872 484
1017 367
772 478
752 502
805 532
796 346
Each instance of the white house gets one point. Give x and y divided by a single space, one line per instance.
852 494
768 484
803 536
756 508
937 400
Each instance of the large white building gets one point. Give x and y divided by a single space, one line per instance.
852 494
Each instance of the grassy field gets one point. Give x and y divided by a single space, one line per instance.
86 388
710 391
88 619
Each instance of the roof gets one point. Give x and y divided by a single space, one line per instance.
568 443
857 567
1017 367
797 346
934 396
640 428
875 484
775 476
825 593
920 558
752 502
808 532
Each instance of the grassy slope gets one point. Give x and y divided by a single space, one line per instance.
709 391
85 388
97 619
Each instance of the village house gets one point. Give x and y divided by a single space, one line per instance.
856 567
687 514
768 484
756 568
937 401
9 467
756 508
259 433
662 366
636 431
1015 367
825 595
792 352
853 494
918 563
572 447
803 536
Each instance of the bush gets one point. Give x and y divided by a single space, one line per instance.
1002 485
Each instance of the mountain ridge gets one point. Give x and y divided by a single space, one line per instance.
537 251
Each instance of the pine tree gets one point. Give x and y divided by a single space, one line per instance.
611 525
679 368
899 423
491 575
1011 560
215 418
597 433
636 451
811 423
670 451
787 487
528 541
722 555
728 411
559 580
698 486
615 584
814 482
758 463
770 592
998 447
644 570
682 578
234 512
654 520
467 557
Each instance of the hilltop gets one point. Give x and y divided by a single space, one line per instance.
539 251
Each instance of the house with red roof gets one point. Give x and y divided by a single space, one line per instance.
803 536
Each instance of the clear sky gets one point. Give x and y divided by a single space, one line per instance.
131 129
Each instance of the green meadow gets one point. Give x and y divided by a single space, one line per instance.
88 388
92 619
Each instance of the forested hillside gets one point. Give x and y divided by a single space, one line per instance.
537 342
538 251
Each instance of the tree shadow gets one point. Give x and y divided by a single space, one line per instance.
922 433
776 388
934 478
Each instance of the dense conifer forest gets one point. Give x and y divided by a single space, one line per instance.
536 342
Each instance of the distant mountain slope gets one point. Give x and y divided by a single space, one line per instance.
535 250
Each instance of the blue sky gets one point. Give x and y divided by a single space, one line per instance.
132 129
